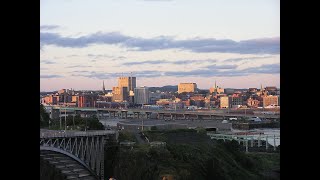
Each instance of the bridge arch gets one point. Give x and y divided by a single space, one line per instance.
85 150
75 158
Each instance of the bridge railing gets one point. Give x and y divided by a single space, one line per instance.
54 134
245 139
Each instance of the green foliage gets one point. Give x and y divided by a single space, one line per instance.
126 136
190 156
93 123
44 117
154 128
78 123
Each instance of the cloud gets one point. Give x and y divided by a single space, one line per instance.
200 45
146 62
47 62
83 41
209 71
264 69
103 75
92 75
177 62
97 56
82 71
73 55
50 76
247 58
48 27
78 66
148 74
204 73
158 0
221 67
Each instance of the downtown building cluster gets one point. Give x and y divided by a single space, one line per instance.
187 96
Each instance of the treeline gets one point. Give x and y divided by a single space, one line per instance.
72 122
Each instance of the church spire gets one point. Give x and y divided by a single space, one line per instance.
103 88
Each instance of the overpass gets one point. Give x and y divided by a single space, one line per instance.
75 154
160 114
250 140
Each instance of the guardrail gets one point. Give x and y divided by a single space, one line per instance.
55 134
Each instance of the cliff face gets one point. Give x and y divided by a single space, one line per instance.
189 155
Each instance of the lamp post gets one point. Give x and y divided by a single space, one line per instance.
73 118
86 125
65 115
60 118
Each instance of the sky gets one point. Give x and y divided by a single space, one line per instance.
161 42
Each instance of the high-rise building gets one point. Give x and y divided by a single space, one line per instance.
87 100
141 95
236 101
269 100
187 87
129 82
120 94
225 102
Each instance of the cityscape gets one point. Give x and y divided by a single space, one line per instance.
182 96
252 115
159 89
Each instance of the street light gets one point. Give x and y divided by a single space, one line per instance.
60 118
86 125
65 115
73 118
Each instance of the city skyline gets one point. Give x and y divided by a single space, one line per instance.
162 42
177 85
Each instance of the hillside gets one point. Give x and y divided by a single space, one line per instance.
189 154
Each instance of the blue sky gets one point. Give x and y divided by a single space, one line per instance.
162 42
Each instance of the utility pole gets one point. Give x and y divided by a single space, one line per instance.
86 125
60 118
65 115
142 125
73 119
65 119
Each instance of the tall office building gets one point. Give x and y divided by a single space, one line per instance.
269 100
225 102
187 87
141 95
129 82
120 94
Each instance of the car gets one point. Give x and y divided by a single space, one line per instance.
224 121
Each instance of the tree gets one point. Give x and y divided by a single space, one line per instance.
44 117
94 124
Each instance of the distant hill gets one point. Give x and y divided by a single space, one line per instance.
167 88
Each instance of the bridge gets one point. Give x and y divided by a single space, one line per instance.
250 140
75 154
160 114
